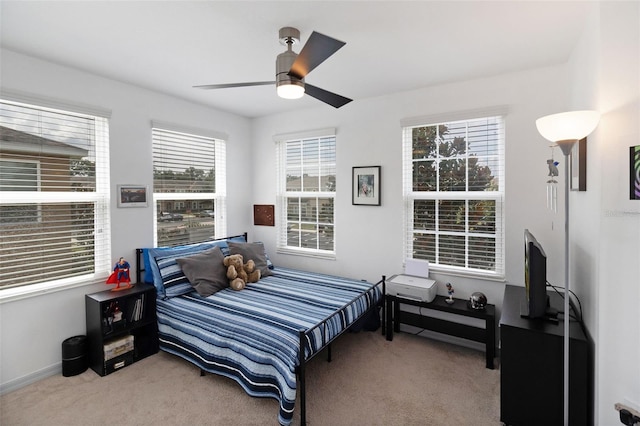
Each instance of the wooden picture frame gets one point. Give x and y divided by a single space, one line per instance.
365 186
578 166
132 195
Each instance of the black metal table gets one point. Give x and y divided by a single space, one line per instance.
487 335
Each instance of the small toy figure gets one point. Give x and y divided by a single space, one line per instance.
117 314
450 292
553 169
120 275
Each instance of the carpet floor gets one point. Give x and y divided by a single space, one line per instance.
410 381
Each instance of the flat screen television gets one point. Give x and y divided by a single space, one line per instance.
536 303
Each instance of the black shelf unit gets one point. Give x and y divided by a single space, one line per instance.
114 315
486 335
532 367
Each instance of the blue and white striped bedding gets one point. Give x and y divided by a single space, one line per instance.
252 336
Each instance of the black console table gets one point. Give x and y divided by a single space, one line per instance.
532 365
486 335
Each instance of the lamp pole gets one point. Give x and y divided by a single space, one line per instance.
566 147
566 129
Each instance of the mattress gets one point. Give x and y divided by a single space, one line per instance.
252 336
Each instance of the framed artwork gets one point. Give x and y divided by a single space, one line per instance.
132 196
365 186
578 164
634 172
263 215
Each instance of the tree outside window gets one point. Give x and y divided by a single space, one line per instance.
454 190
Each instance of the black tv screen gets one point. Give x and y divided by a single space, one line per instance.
535 277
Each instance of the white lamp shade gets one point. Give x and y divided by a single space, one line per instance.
573 125
290 91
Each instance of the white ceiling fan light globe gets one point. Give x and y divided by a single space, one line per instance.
290 91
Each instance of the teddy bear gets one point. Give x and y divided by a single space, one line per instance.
239 273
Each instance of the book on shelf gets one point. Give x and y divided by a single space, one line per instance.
137 312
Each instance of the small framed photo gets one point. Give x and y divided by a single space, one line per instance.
132 196
366 186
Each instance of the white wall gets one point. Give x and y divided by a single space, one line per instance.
369 240
605 76
33 329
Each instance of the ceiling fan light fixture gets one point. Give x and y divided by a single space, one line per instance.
291 90
288 86
292 68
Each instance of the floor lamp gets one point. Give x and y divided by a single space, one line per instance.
565 129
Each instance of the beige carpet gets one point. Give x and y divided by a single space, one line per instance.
410 381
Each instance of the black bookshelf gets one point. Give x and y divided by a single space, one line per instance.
117 317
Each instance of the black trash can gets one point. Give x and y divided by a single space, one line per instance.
74 356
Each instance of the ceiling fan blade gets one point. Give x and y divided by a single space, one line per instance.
315 51
228 85
325 96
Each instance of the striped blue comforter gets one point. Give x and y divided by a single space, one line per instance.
252 336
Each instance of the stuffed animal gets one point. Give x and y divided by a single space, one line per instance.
239 273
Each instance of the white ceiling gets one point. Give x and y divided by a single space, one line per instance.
392 46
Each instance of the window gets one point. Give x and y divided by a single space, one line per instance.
454 194
189 185
19 175
306 193
54 196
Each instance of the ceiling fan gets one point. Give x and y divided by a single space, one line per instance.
292 68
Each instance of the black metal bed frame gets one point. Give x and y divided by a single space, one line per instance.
327 343
304 345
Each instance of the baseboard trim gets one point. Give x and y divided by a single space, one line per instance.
36 376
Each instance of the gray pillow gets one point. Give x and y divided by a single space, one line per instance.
205 271
253 251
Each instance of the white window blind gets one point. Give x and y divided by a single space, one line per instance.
54 196
306 195
189 187
453 181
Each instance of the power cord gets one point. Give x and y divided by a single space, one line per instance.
574 295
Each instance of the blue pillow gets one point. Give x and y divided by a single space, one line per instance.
148 273
167 276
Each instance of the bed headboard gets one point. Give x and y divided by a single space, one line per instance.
140 255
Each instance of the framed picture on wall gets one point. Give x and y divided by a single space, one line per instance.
366 186
578 166
132 196
634 172
263 214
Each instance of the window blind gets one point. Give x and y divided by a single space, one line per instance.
306 195
453 183
54 195
189 187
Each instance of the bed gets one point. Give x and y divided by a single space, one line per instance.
262 336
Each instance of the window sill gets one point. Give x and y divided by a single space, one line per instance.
306 253
35 290
464 274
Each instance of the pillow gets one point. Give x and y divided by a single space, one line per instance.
168 278
225 249
205 271
148 273
151 274
254 251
